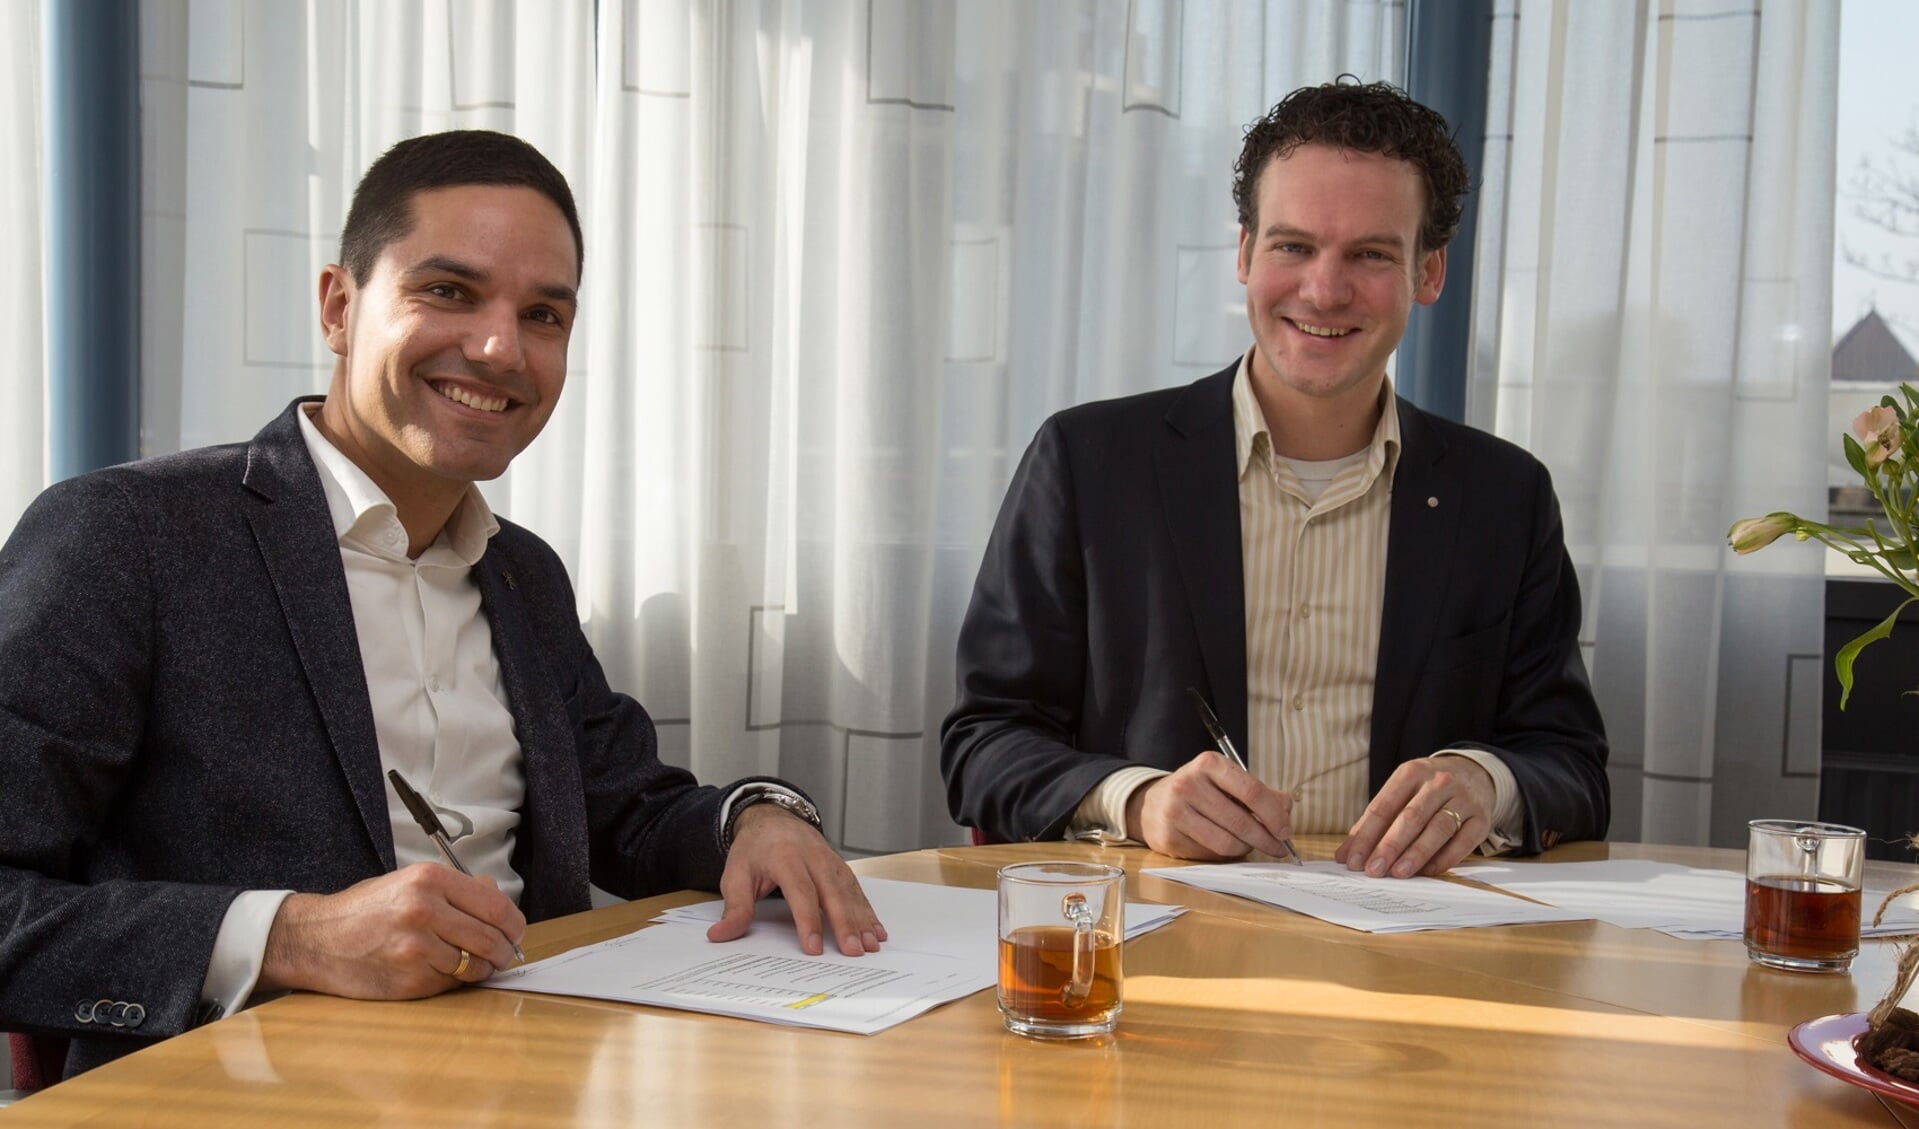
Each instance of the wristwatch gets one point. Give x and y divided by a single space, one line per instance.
751 794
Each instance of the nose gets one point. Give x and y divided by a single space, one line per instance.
1324 284
495 341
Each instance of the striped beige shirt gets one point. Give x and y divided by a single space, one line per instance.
1315 571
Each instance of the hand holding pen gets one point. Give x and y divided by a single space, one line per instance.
1210 808
1231 752
429 821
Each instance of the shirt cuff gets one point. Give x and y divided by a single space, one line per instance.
1509 818
1101 815
240 950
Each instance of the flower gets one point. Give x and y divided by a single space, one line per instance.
1878 432
1873 448
1749 535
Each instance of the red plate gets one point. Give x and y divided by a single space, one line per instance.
1826 1043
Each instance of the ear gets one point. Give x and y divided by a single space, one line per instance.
1432 277
1245 254
336 299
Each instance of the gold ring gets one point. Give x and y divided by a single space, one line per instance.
1458 820
466 958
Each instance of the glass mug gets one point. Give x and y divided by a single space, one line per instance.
1802 894
1060 928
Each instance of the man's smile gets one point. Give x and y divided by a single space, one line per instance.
475 400
1321 330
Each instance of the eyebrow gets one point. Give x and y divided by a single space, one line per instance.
1380 239
444 264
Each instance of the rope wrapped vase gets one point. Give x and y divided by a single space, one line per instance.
1891 1041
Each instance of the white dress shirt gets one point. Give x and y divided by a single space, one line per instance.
439 705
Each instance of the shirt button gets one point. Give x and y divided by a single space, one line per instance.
433 684
1299 701
1305 611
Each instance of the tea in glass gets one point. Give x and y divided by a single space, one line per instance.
1060 928
1802 894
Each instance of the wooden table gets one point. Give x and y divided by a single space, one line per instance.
1236 1015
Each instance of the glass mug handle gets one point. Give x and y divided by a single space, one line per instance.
1073 906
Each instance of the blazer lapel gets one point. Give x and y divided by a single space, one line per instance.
551 846
1420 558
1197 470
294 530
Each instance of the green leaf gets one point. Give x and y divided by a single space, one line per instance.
1900 559
1842 662
1856 455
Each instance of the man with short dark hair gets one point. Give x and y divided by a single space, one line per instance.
1377 602
209 662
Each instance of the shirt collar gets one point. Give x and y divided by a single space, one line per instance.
1251 437
365 518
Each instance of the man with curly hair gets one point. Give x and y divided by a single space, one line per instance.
1377 602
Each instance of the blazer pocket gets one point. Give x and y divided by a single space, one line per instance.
1486 645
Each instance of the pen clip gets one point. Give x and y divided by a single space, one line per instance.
423 813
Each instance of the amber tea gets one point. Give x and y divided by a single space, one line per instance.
1802 918
1036 975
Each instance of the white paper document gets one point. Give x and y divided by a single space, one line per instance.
942 944
923 918
1330 892
1684 901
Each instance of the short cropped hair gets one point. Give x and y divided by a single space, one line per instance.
382 208
1374 117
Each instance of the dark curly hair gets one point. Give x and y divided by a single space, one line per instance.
1374 117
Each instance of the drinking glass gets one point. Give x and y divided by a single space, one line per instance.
1060 928
1802 894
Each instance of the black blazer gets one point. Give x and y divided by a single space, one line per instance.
184 715
1113 581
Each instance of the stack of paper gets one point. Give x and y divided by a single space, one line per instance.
1330 892
942 944
1683 901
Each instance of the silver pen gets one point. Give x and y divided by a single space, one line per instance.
1231 753
429 821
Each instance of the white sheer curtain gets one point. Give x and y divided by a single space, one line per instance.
849 256
23 427
842 257
1652 319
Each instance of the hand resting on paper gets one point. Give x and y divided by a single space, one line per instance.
1430 814
776 850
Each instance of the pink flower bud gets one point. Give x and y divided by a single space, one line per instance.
1751 534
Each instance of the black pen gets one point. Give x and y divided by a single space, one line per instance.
429 822
1231 753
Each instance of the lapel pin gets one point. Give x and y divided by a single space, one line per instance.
507 574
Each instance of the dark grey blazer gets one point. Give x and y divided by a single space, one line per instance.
184 715
1113 581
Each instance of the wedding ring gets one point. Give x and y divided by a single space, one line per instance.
1458 820
466 958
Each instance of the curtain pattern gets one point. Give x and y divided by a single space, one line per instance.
23 428
843 256
1652 318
